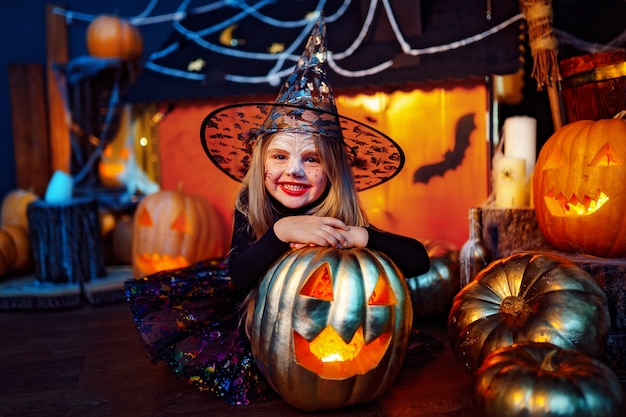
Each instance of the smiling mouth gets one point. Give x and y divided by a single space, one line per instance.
330 357
294 189
560 205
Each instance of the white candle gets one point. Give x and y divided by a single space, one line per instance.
520 140
510 182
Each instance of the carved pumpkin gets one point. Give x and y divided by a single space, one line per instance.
432 293
579 188
330 326
528 297
172 229
541 379
113 37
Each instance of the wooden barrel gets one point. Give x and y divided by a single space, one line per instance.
594 85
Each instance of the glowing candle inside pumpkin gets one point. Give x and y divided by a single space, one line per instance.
560 205
329 347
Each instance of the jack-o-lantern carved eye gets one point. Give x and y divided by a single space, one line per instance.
382 294
144 218
553 160
180 223
607 156
319 285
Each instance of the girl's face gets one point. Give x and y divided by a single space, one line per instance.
293 171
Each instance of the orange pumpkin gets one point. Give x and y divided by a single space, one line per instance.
579 188
7 252
113 37
23 258
14 208
172 229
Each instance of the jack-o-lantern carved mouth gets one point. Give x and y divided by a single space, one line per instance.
156 262
561 205
330 357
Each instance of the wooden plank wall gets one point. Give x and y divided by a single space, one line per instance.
30 132
57 53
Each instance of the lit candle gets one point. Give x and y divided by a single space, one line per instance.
510 182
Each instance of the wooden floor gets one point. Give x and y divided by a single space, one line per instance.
89 361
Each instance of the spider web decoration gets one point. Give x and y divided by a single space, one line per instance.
236 47
226 48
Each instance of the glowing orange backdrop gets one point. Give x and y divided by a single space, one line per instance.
441 130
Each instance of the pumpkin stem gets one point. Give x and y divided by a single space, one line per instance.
620 115
547 364
515 311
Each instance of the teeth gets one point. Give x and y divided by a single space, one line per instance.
560 205
293 187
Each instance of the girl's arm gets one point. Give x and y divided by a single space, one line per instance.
249 260
409 255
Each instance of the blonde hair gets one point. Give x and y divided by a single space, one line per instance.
341 201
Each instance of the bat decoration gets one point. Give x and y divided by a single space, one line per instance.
451 159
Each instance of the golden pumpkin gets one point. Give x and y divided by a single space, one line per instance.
432 293
337 321
579 188
542 379
528 297
173 229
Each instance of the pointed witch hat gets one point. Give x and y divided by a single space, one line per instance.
305 103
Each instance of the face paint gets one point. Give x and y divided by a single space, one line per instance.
293 171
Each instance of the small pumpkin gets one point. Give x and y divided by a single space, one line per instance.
432 293
113 37
337 321
14 208
542 379
7 252
173 229
23 257
579 188
528 297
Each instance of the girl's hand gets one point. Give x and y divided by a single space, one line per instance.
303 231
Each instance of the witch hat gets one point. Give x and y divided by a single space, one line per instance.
305 103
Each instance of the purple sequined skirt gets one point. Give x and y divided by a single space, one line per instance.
188 318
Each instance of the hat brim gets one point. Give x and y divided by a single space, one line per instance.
228 135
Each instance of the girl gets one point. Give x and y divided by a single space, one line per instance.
299 191
301 165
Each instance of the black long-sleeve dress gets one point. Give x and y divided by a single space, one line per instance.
248 260
189 317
